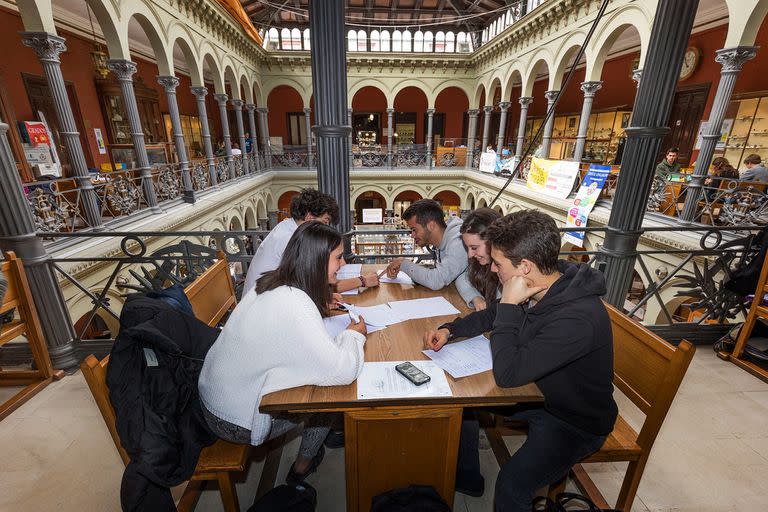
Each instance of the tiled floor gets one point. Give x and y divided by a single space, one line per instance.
711 455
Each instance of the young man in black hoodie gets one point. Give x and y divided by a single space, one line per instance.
549 327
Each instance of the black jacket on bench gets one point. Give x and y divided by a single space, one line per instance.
563 344
152 378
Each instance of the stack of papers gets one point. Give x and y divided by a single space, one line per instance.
464 358
348 272
422 308
381 380
380 315
402 278
338 323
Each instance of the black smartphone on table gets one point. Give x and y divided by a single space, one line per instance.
413 374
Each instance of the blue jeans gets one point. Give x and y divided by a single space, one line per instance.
551 449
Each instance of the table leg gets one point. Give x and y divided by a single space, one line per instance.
391 447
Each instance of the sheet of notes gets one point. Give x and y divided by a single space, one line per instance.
464 358
381 380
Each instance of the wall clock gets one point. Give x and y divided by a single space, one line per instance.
690 61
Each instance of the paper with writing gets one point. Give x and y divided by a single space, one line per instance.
464 358
381 380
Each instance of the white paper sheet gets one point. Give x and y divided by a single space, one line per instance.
422 308
464 358
348 272
381 380
337 323
380 315
402 278
353 291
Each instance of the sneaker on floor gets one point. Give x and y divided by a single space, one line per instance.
293 478
335 439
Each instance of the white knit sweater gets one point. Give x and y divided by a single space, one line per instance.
273 341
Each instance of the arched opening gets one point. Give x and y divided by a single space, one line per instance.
369 200
369 117
450 201
450 126
190 120
287 126
402 201
250 219
284 204
410 114
96 329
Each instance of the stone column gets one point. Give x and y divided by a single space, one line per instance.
329 59
472 135
731 60
430 120
221 100
265 148
390 135
308 122
254 144
546 138
669 38
238 104
17 234
170 83
200 93
504 106
636 76
486 126
124 70
351 137
589 88
525 101
48 47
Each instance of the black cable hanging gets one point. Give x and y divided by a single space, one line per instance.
551 110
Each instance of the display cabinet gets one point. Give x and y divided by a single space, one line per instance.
604 132
747 116
116 119
123 156
193 137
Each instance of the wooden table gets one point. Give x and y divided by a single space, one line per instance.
397 442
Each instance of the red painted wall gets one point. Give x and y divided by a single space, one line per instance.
412 99
453 102
372 100
282 99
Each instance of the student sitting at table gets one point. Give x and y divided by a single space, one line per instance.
550 327
426 220
478 280
308 205
275 339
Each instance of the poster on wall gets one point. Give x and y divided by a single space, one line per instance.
586 197
100 141
725 129
373 216
552 177
488 162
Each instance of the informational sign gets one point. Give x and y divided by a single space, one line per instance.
38 133
373 216
585 200
100 141
552 177
725 129
488 162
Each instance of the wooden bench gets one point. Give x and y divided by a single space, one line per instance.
212 296
26 323
648 370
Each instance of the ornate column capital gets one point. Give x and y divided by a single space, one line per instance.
262 110
307 111
237 103
47 46
199 92
250 106
122 68
637 75
488 109
390 111
169 83
504 105
473 112
430 112
732 59
525 100
221 98
551 95
590 88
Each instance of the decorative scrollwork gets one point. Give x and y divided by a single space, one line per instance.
448 160
199 176
124 197
371 159
222 170
410 159
476 160
168 183
658 194
291 159
744 206
237 162
49 215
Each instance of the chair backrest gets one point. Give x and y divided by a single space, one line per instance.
212 295
647 369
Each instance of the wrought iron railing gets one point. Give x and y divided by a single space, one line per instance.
291 157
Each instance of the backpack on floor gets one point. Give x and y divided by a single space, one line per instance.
415 498
287 498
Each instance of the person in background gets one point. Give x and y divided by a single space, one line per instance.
755 170
549 327
236 149
252 358
426 220
248 142
720 168
669 165
309 204
478 275
220 149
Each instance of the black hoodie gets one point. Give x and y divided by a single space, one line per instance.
563 344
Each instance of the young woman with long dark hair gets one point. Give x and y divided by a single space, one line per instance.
275 339
479 253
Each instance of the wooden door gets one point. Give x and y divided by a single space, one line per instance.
41 100
684 119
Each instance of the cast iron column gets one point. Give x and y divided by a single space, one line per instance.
589 88
504 106
200 93
329 83
308 121
238 104
525 101
486 126
265 147
546 136
351 136
732 60
669 38
124 70
390 134
430 121
170 83
17 234
254 144
48 47
472 135
221 100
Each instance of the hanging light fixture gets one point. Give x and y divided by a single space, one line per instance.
98 55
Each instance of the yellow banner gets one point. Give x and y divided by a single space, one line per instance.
552 177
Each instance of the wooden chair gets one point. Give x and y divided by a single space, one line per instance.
212 296
26 323
648 370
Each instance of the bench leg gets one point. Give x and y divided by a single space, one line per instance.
630 484
557 487
228 492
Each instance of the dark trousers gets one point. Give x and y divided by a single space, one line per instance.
551 449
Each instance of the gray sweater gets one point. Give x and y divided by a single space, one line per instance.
450 265
757 173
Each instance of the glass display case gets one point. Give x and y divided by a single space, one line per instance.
748 130
113 109
193 137
564 131
123 156
604 133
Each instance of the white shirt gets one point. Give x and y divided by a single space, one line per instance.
236 151
270 252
